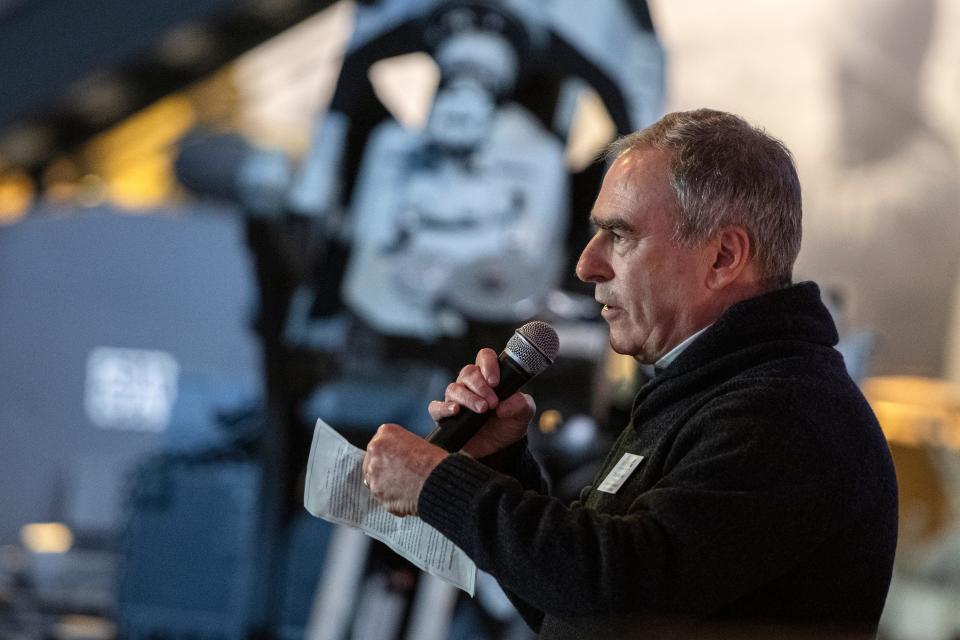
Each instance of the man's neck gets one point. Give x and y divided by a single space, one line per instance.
704 317
664 361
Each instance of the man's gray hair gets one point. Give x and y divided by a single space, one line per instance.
726 172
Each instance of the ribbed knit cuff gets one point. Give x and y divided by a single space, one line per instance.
446 499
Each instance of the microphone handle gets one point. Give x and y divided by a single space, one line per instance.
453 432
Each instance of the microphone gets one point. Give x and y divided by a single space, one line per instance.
532 348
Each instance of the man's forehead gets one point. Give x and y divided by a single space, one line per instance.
636 182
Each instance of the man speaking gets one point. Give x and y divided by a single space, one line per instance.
752 492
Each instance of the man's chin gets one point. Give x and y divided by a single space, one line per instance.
625 347
620 348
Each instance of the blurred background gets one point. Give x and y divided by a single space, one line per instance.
221 220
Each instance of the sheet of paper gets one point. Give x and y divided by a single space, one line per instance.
335 492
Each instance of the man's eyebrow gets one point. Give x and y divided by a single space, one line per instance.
611 224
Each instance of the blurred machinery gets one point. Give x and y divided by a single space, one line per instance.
390 255
465 221
382 262
191 543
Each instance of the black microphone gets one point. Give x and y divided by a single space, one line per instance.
532 348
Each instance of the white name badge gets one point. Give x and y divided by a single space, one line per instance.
619 474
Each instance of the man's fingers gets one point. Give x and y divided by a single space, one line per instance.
489 366
440 409
519 405
473 378
473 388
460 394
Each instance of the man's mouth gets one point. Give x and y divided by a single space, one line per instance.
607 308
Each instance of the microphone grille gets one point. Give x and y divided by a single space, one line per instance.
535 345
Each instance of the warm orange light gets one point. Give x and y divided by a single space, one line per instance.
550 420
406 85
592 129
89 627
16 195
916 411
135 158
46 537
620 369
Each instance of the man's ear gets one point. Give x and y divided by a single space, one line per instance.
732 245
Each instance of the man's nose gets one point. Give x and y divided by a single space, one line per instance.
593 265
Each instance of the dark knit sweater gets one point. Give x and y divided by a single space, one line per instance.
766 495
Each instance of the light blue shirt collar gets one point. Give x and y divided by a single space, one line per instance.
666 359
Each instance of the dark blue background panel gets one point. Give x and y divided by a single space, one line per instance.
95 307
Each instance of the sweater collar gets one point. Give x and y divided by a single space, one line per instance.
793 313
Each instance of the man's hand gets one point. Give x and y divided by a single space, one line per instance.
474 389
396 465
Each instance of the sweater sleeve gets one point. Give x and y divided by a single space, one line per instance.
744 495
517 461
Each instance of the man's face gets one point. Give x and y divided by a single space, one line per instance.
653 288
